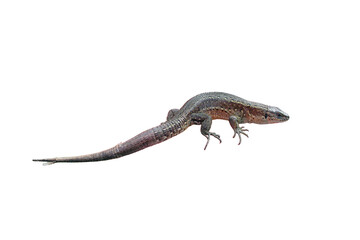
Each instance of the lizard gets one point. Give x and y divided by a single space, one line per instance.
198 110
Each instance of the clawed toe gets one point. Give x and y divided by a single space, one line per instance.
208 138
216 136
240 130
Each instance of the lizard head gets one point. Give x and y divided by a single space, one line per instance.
275 115
267 114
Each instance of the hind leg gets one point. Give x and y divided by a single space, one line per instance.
205 121
171 114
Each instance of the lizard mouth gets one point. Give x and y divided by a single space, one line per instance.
283 116
277 114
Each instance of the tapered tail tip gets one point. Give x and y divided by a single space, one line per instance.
46 162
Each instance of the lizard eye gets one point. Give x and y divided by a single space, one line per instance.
266 115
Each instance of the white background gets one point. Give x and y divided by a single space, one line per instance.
80 76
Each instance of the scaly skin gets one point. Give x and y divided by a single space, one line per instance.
199 110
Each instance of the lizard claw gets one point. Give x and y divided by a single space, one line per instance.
239 131
208 138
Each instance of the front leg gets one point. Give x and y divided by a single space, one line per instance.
233 120
205 121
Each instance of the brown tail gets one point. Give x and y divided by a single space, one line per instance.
137 143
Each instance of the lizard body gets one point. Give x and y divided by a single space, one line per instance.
199 110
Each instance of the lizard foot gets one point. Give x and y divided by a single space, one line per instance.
240 130
208 138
